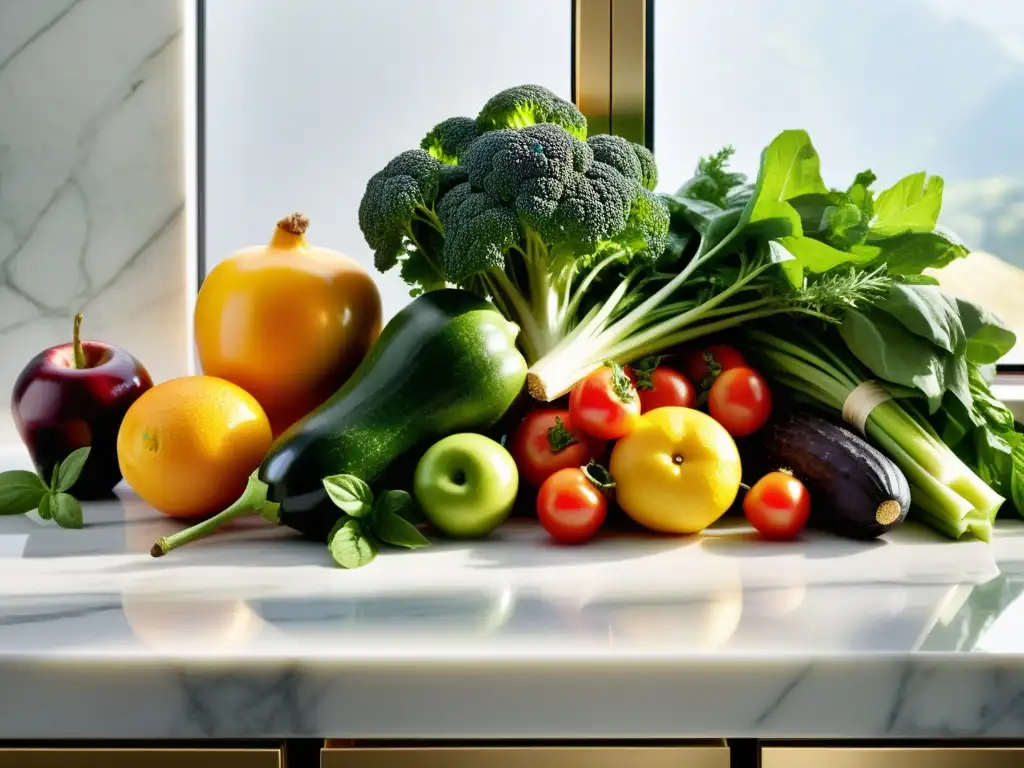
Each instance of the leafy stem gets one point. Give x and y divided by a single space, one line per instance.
368 522
22 491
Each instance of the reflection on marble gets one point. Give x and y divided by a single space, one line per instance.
253 633
91 181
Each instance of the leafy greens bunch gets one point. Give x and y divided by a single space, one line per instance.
955 442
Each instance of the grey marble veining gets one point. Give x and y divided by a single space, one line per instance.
92 181
254 633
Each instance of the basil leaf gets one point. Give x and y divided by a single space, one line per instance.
66 510
20 491
349 546
71 469
350 494
390 524
911 205
45 508
53 478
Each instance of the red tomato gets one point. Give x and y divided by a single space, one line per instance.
605 404
740 401
777 506
661 388
697 366
570 507
546 442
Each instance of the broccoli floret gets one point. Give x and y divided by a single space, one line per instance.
647 225
527 105
396 213
550 179
633 161
593 207
518 206
479 230
449 139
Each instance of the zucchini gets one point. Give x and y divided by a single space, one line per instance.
446 363
856 491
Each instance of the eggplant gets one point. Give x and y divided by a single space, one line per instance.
856 491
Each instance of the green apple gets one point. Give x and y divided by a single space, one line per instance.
466 485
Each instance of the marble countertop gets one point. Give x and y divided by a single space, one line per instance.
254 633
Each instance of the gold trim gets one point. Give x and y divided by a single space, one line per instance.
892 757
520 757
593 61
629 69
42 757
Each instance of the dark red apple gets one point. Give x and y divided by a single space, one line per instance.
75 395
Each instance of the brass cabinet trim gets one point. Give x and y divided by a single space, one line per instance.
104 757
891 757
703 756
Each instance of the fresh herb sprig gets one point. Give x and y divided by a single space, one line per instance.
22 491
390 519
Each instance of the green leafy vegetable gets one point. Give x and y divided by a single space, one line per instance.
71 469
390 519
349 546
45 510
66 510
390 523
910 205
350 494
21 491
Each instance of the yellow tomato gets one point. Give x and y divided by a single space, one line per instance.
677 472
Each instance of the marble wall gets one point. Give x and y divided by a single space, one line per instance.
92 187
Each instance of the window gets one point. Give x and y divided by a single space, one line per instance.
895 85
301 121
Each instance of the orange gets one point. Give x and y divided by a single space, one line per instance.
188 445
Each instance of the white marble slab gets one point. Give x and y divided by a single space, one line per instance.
92 184
254 633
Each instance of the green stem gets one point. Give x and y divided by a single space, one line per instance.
426 256
76 342
531 337
580 292
253 499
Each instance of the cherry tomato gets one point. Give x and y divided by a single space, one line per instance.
778 506
697 366
570 507
546 442
740 401
605 404
662 387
